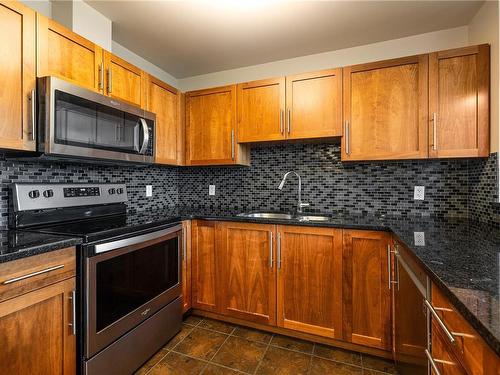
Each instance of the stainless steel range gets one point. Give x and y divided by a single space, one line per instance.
129 270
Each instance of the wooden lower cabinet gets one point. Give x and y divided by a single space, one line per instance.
245 254
186 265
366 295
443 358
204 277
310 280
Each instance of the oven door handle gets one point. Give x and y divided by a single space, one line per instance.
108 246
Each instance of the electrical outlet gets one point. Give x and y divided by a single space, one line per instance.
149 190
419 193
419 238
211 189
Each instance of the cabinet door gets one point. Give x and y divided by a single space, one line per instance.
36 332
203 263
164 101
261 110
17 76
309 262
124 81
314 105
247 272
386 110
65 54
186 265
459 102
366 293
210 126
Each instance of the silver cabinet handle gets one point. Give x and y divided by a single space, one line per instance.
73 312
110 81
24 277
145 142
289 120
389 265
101 77
33 114
232 144
431 360
434 131
282 115
279 250
440 322
271 260
347 138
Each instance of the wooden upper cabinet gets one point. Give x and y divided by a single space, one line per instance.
386 110
65 54
203 265
124 81
459 102
247 271
261 110
314 105
17 76
309 262
163 100
211 128
366 293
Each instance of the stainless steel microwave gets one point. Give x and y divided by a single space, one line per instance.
74 122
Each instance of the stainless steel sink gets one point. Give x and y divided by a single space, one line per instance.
313 218
268 215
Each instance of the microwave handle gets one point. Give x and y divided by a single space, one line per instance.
145 142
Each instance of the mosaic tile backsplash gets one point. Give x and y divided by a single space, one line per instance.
457 188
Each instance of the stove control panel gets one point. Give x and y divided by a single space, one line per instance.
81 192
44 196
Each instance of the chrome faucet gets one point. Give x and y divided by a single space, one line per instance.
300 204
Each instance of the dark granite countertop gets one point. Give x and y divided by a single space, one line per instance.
20 244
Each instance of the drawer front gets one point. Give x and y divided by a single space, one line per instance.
442 357
25 275
469 347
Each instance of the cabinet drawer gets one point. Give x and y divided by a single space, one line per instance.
25 275
469 347
442 356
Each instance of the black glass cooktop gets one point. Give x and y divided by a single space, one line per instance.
96 229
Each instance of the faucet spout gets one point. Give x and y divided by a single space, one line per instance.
300 204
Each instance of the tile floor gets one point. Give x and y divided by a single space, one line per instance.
206 346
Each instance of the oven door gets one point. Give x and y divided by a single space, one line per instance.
75 122
127 281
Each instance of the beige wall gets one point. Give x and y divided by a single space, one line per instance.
484 29
443 39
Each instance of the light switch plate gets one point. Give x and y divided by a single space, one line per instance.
419 193
419 238
211 189
149 190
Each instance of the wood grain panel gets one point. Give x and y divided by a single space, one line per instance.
164 101
203 265
445 360
17 76
65 54
366 295
261 106
247 277
310 280
314 105
386 110
124 81
459 98
35 333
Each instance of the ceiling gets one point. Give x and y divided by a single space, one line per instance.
189 38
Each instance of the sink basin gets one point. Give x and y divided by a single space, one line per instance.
268 215
313 218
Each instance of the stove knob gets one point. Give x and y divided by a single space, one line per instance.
111 191
119 191
34 194
48 193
